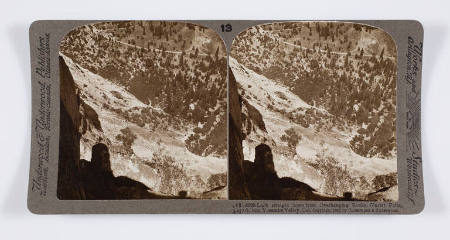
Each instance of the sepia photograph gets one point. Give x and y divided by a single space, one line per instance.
142 112
313 112
225 120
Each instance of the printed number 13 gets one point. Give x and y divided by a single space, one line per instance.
226 27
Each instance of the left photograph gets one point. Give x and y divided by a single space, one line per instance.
142 112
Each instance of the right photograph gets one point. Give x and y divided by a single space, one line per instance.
312 113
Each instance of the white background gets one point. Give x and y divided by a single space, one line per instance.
16 222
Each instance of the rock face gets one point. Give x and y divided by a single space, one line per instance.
327 113
251 118
158 103
89 118
189 87
69 138
237 186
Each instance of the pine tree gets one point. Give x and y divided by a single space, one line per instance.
382 54
182 59
217 53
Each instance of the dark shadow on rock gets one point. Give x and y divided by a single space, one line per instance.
81 179
99 183
69 137
236 181
264 184
263 181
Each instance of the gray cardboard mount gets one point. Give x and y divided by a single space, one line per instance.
45 37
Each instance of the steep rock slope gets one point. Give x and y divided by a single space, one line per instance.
319 156
155 156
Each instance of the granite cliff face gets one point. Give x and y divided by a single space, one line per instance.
157 102
323 97
237 184
176 68
69 140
